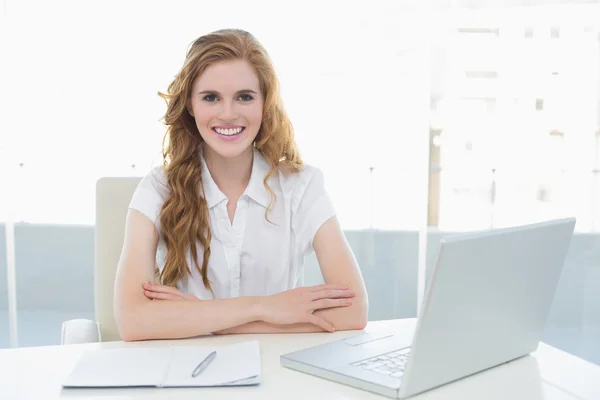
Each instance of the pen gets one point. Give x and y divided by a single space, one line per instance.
202 366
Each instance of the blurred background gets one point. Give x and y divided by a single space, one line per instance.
427 118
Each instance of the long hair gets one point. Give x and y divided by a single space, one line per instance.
184 217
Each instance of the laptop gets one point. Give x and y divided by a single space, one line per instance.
486 304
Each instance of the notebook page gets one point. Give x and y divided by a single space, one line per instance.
120 368
234 364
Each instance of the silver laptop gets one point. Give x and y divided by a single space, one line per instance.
486 304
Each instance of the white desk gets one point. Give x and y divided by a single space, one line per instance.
550 374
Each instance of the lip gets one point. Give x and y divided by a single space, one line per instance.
230 137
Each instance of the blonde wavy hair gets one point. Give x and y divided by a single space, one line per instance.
184 217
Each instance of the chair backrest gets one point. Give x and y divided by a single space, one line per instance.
112 201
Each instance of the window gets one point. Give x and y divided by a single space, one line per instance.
498 164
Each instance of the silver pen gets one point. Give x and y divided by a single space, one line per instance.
202 366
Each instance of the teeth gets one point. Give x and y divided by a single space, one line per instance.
229 132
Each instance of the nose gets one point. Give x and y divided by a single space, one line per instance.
228 111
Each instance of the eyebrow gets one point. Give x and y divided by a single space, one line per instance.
238 92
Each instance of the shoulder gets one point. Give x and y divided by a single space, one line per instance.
296 182
304 185
311 205
309 176
155 181
151 193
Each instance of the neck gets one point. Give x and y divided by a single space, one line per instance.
230 174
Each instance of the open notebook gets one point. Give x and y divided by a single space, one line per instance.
235 364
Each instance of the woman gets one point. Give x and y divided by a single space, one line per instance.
225 224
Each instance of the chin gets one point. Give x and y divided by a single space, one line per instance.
229 150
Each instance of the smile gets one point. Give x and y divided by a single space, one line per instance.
229 131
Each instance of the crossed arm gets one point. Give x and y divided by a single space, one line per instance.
150 311
338 267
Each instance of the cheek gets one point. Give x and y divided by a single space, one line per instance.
257 115
203 115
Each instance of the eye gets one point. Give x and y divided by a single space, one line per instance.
246 97
210 97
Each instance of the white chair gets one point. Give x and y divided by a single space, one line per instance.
112 200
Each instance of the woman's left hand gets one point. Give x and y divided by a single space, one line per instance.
154 291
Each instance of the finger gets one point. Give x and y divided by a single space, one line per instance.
320 322
326 286
160 296
331 294
167 296
330 303
160 288
153 287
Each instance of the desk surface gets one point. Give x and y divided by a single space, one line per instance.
549 374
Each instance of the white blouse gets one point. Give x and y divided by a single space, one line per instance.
251 256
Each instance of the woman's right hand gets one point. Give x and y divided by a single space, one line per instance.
298 305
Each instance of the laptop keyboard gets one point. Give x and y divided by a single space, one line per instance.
391 364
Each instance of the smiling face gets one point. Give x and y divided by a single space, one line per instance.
227 106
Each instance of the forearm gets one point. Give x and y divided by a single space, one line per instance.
265 327
156 319
353 317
